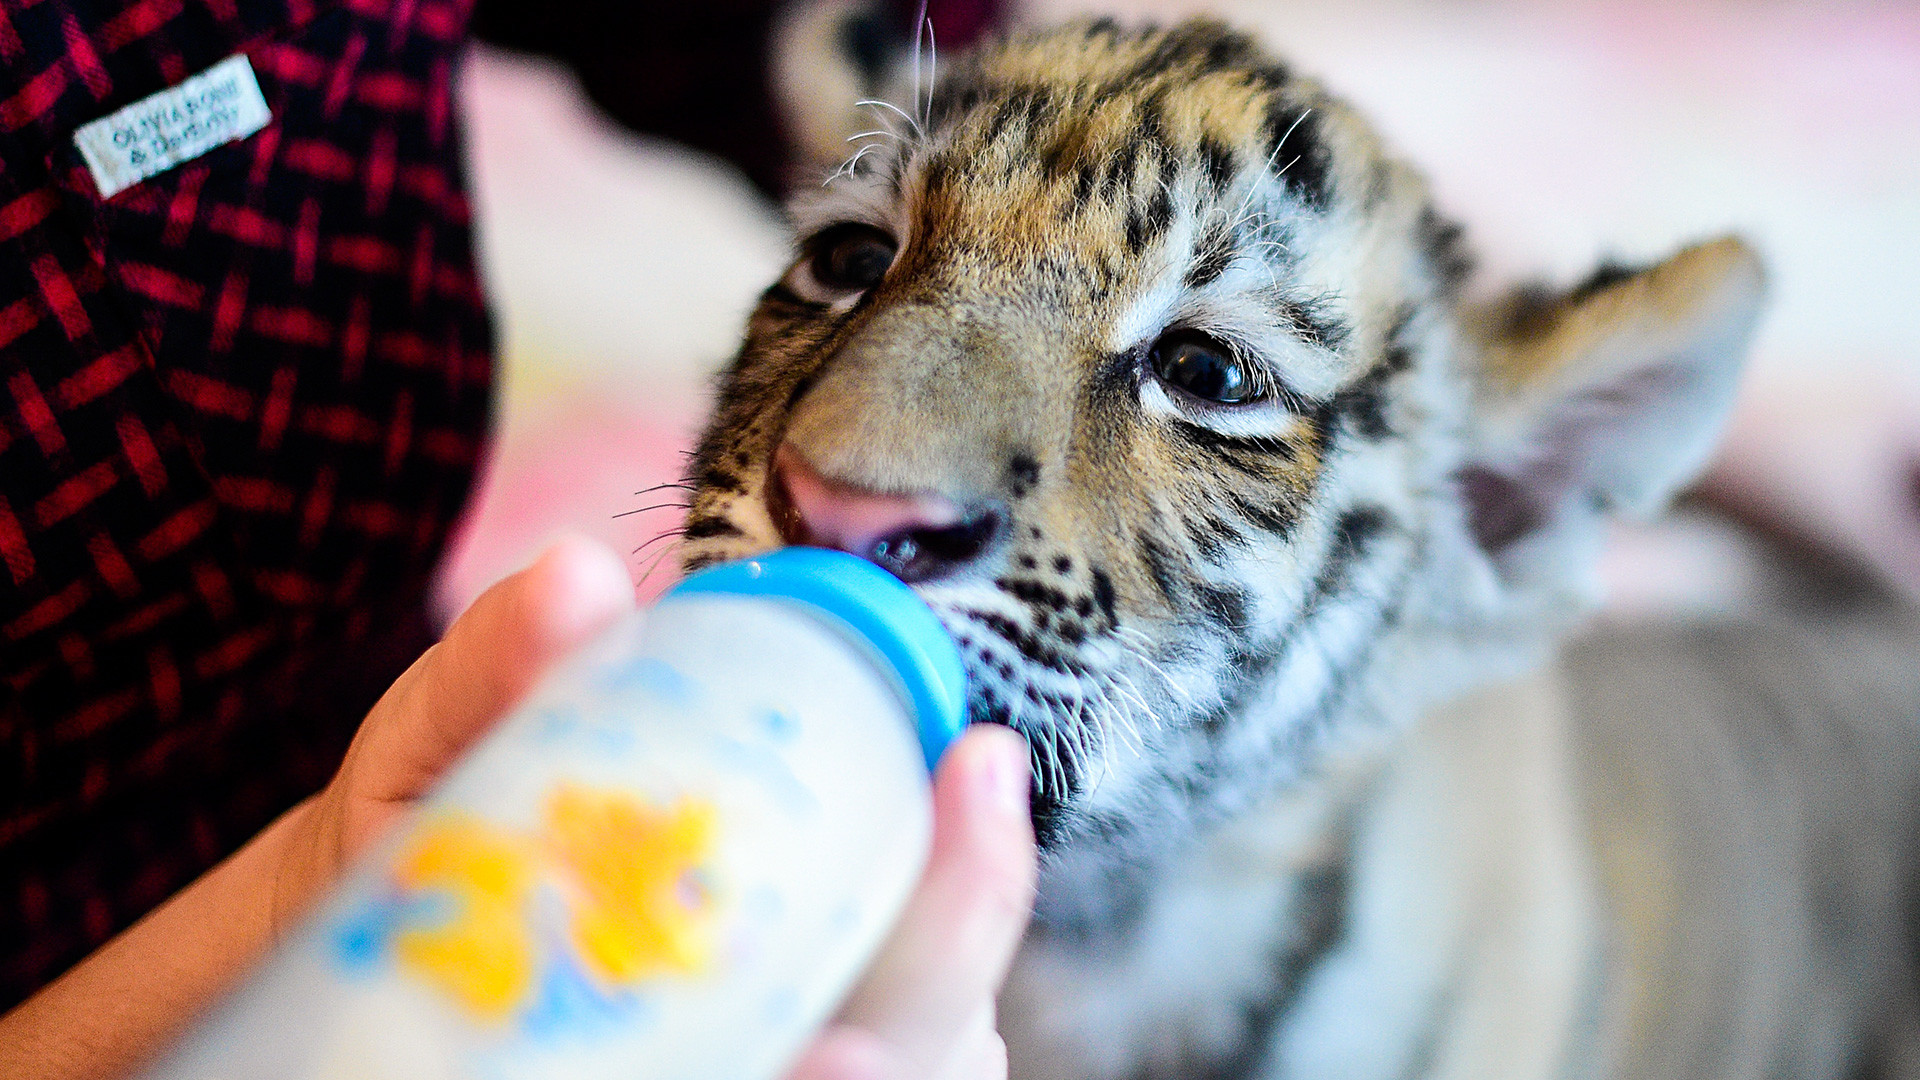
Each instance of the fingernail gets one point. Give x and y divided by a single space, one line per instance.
1004 776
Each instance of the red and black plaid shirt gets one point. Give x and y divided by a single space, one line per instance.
240 404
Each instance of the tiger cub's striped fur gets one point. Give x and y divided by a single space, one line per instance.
1273 522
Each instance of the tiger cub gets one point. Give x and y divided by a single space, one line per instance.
1144 362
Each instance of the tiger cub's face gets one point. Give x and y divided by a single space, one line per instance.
1136 355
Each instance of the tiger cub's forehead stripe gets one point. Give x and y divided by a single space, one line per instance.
1192 95
1142 152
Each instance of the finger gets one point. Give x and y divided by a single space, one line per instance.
950 951
488 659
843 1052
848 1053
981 1054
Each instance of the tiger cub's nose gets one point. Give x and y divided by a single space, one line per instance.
917 537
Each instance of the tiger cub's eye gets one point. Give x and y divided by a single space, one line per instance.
1202 367
850 258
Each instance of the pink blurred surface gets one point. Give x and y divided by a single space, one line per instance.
621 271
585 467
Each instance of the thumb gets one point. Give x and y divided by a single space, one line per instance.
460 687
938 972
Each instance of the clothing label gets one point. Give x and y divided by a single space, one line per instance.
174 126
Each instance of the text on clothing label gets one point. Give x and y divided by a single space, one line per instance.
176 125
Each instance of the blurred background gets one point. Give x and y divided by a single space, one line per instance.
622 267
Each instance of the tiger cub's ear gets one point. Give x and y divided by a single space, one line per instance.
827 57
1609 396
828 54
841 68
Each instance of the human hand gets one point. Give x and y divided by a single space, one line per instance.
451 696
1833 462
924 1010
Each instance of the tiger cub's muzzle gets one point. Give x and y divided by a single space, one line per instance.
918 537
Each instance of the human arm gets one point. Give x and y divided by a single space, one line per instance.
128 1000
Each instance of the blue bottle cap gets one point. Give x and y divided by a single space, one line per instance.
875 608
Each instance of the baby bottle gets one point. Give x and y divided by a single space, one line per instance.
670 862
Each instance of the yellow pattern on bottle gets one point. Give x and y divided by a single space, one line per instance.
641 911
483 954
628 875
